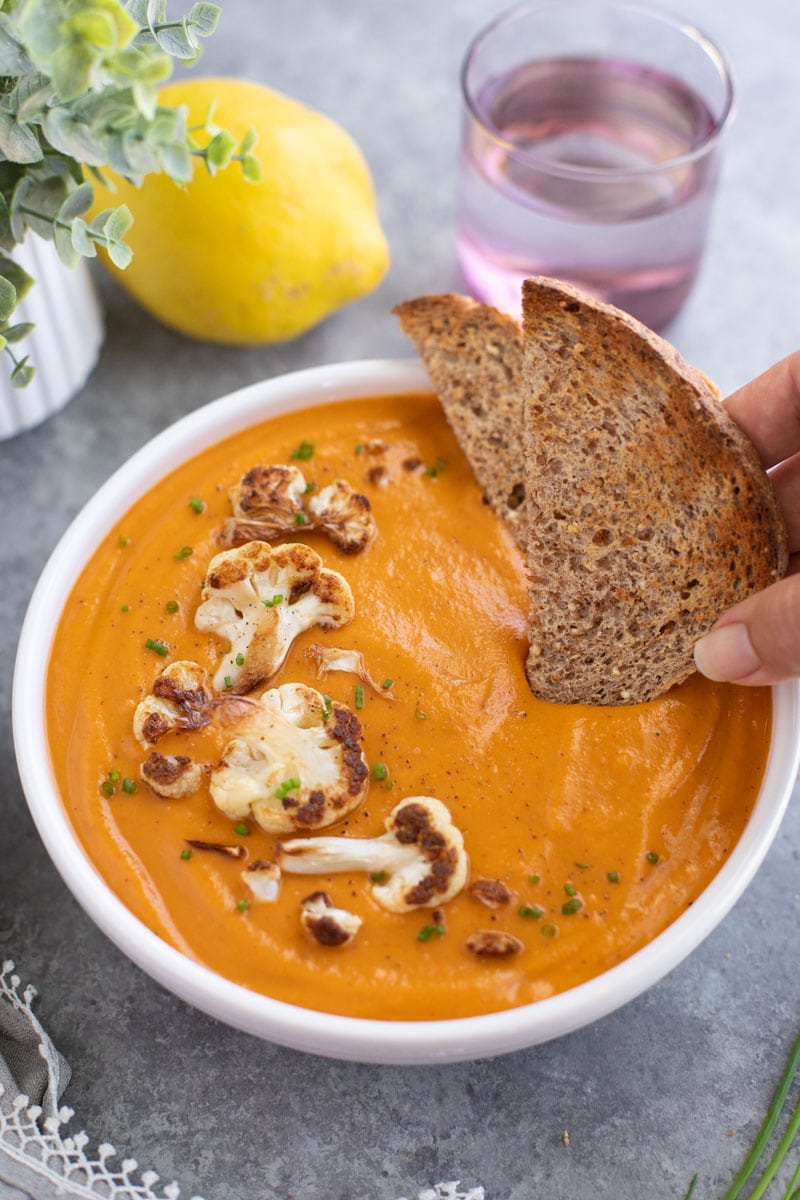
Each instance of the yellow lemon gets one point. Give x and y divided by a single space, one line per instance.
226 260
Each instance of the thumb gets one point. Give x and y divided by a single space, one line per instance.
758 641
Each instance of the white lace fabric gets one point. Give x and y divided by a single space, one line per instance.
39 1158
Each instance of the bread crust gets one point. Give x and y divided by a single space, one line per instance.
649 510
473 355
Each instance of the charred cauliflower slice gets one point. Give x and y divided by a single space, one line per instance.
178 700
345 515
420 862
258 598
289 768
266 503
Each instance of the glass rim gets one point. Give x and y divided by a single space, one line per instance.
607 174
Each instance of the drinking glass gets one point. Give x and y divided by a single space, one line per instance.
591 153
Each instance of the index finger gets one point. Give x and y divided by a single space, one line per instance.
768 410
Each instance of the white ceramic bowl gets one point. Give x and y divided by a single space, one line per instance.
352 1038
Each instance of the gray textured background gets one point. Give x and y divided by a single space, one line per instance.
679 1079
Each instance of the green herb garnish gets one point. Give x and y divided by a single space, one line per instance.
613 876
387 683
129 786
379 877
242 829
242 905
240 660
428 931
123 539
652 857
172 606
107 787
288 785
379 771
304 450
186 854
359 696
197 504
184 552
157 647
276 599
571 907
530 910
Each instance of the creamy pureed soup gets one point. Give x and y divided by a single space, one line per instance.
587 830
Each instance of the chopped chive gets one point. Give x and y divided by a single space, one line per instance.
379 877
184 552
420 715
197 504
571 907
228 681
186 854
107 787
242 905
530 910
570 889
276 599
534 879
428 931
613 876
582 866
288 785
379 771
549 931
299 518
309 487
123 539
388 784
113 775
240 660
387 683
357 449
172 606
304 450
157 647
242 829
327 707
652 857
431 472
129 786
125 608
359 696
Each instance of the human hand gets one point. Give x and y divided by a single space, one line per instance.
758 640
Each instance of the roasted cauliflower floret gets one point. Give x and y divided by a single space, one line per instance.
266 503
178 700
327 924
421 856
345 515
264 879
290 766
258 598
171 776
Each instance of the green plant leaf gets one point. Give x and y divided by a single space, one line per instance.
74 138
77 202
94 26
219 151
6 237
178 41
80 239
3 342
31 96
14 62
39 24
22 374
141 158
118 223
249 142
15 333
72 67
8 298
18 143
16 275
251 169
204 17
176 161
120 254
15 208
62 237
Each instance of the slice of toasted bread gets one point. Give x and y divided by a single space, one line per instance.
473 355
649 512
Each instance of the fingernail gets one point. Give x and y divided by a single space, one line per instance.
726 654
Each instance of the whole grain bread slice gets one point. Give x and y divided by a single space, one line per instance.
649 511
473 355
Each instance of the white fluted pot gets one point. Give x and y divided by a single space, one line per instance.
64 344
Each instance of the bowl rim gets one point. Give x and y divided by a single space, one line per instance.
350 1038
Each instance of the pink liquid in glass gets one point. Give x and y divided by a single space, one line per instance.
572 173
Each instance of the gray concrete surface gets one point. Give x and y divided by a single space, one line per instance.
677 1081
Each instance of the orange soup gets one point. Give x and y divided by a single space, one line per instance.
587 830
